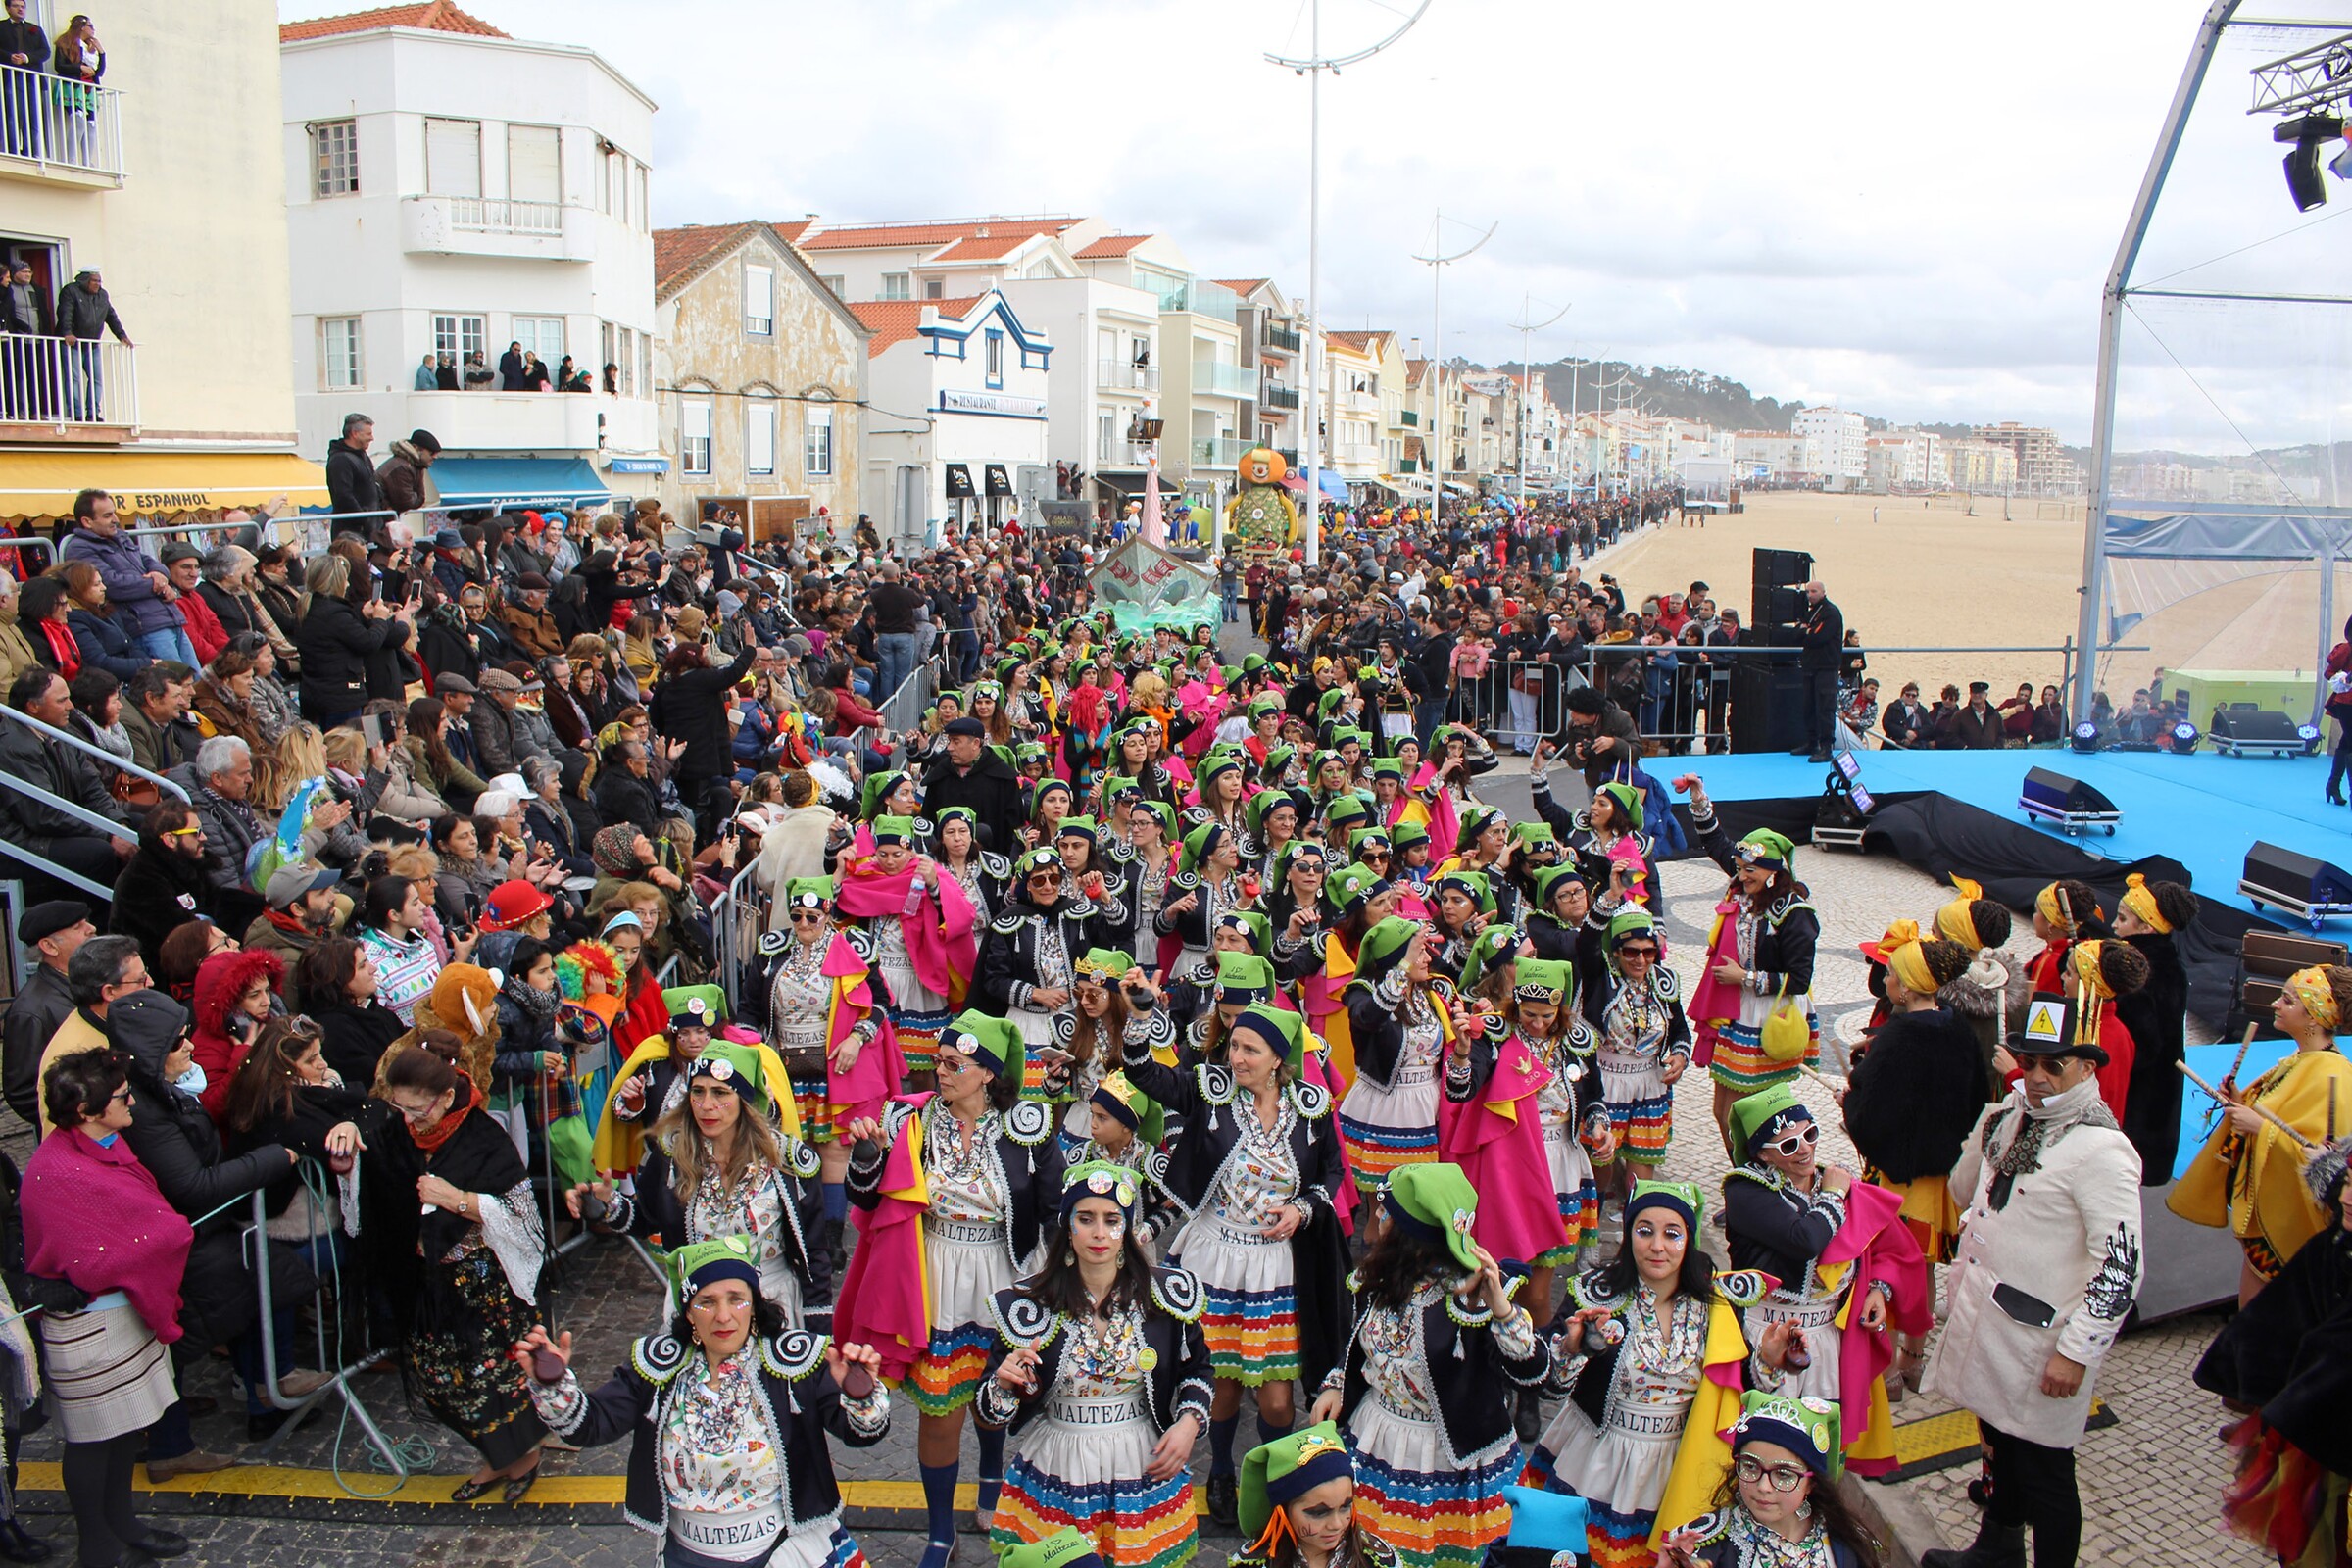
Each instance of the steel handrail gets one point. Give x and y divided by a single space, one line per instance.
49 867
111 758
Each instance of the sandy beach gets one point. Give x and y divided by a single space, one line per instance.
1910 576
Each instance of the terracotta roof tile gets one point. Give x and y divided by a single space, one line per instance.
789 233
681 253
435 16
929 236
1361 342
1111 245
1241 285
893 322
984 247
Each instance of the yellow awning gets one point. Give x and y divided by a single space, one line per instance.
43 484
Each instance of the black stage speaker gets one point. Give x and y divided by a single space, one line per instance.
2261 725
1782 568
1767 705
2310 888
2061 793
1775 606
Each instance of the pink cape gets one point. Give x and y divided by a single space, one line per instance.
1497 1138
882 1298
1880 1247
881 1065
1712 1003
1444 823
945 954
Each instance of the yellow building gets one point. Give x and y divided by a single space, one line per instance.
168 181
762 371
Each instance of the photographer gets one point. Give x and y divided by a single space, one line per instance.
1602 738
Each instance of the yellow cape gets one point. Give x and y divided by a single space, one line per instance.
619 1145
1704 1452
2260 1191
1338 1036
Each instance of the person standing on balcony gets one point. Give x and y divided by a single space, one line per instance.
81 61
425 380
24 313
85 312
445 373
23 45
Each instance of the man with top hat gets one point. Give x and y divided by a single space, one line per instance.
2049 1264
54 932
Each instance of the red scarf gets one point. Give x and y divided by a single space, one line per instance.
63 646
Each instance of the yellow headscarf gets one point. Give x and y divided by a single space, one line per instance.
1909 964
2311 988
1956 921
2052 908
2142 902
2093 990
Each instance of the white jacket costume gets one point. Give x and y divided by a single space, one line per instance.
2049 1261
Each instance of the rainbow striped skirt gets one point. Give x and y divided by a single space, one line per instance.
1387 1129
1081 1466
1249 1308
1741 1064
967 1265
1433 1514
1640 1113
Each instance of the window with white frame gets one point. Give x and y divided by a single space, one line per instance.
694 435
816 440
460 335
626 360
534 163
758 300
935 288
339 367
834 282
334 158
611 345
453 157
994 359
1106 429
644 213
543 335
759 436
896 286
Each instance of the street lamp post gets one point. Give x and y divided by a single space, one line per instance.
1312 66
1527 378
1437 337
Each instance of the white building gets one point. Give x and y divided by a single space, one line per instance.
969 385
1773 454
453 191
1906 459
1841 438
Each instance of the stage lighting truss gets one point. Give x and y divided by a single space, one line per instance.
2311 77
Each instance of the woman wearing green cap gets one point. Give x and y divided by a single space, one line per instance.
1465 906
1767 960
1484 846
1144 872
727 1417
1273 815
1634 1003
1424 1394
1205 886
1027 956
1294 907
1219 784
1103 1030
1255 1172
1100 1376
1298 1505
1399 1027
1779 1501
983 874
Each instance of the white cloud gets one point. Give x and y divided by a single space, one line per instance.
1907 208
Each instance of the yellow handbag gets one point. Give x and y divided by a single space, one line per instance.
1788 1031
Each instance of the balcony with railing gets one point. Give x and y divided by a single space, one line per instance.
1409 419
64 389
1121 376
1355 454
56 131
1200 297
1356 399
1121 454
1219 379
1279 340
493 226
1274 395
1219 451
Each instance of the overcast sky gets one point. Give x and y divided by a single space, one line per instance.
1905 208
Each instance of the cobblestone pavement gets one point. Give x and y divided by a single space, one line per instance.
2150 1482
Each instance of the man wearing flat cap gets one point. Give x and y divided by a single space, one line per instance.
2050 1266
1977 727
977 777
527 621
53 933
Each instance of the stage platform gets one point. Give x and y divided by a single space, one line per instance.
2184 818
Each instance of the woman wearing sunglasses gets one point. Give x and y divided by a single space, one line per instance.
1779 1501
1634 1003
1849 1271
1026 964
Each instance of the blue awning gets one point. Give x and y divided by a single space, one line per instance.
1334 486
465 482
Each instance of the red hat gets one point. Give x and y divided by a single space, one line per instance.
513 905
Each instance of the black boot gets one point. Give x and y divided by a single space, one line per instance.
833 1236
1997 1546
1527 1419
2336 783
1224 1501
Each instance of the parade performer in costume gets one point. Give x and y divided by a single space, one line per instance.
1912 1102
983 874
1607 832
834 1039
1203 887
2100 971
733 1174
1652 1356
1634 1003
1763 951
2065 912
1028 963
921 923
2287 1359
1255 1173
1486 847
1294 905
1425 1394
1465 905
2249 1175
1103 1031
1779 1504
2049 1264
955 1187
1562 898
1100 1376
1356 899
1401 1029
2148 916
1979 995
726 1414
1850 1275
1298 1505
1151 860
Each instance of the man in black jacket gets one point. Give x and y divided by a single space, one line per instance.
63 772
1906 720
1824 628
54 931
509 370
979 778
25 46
352 484
1434 659
1601 736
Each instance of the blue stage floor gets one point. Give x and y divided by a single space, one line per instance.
2203 810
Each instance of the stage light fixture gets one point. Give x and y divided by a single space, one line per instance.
2307 133
2086 736
2185 737
2309 734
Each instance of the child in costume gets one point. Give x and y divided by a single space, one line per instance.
1298 1505
1779 1501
